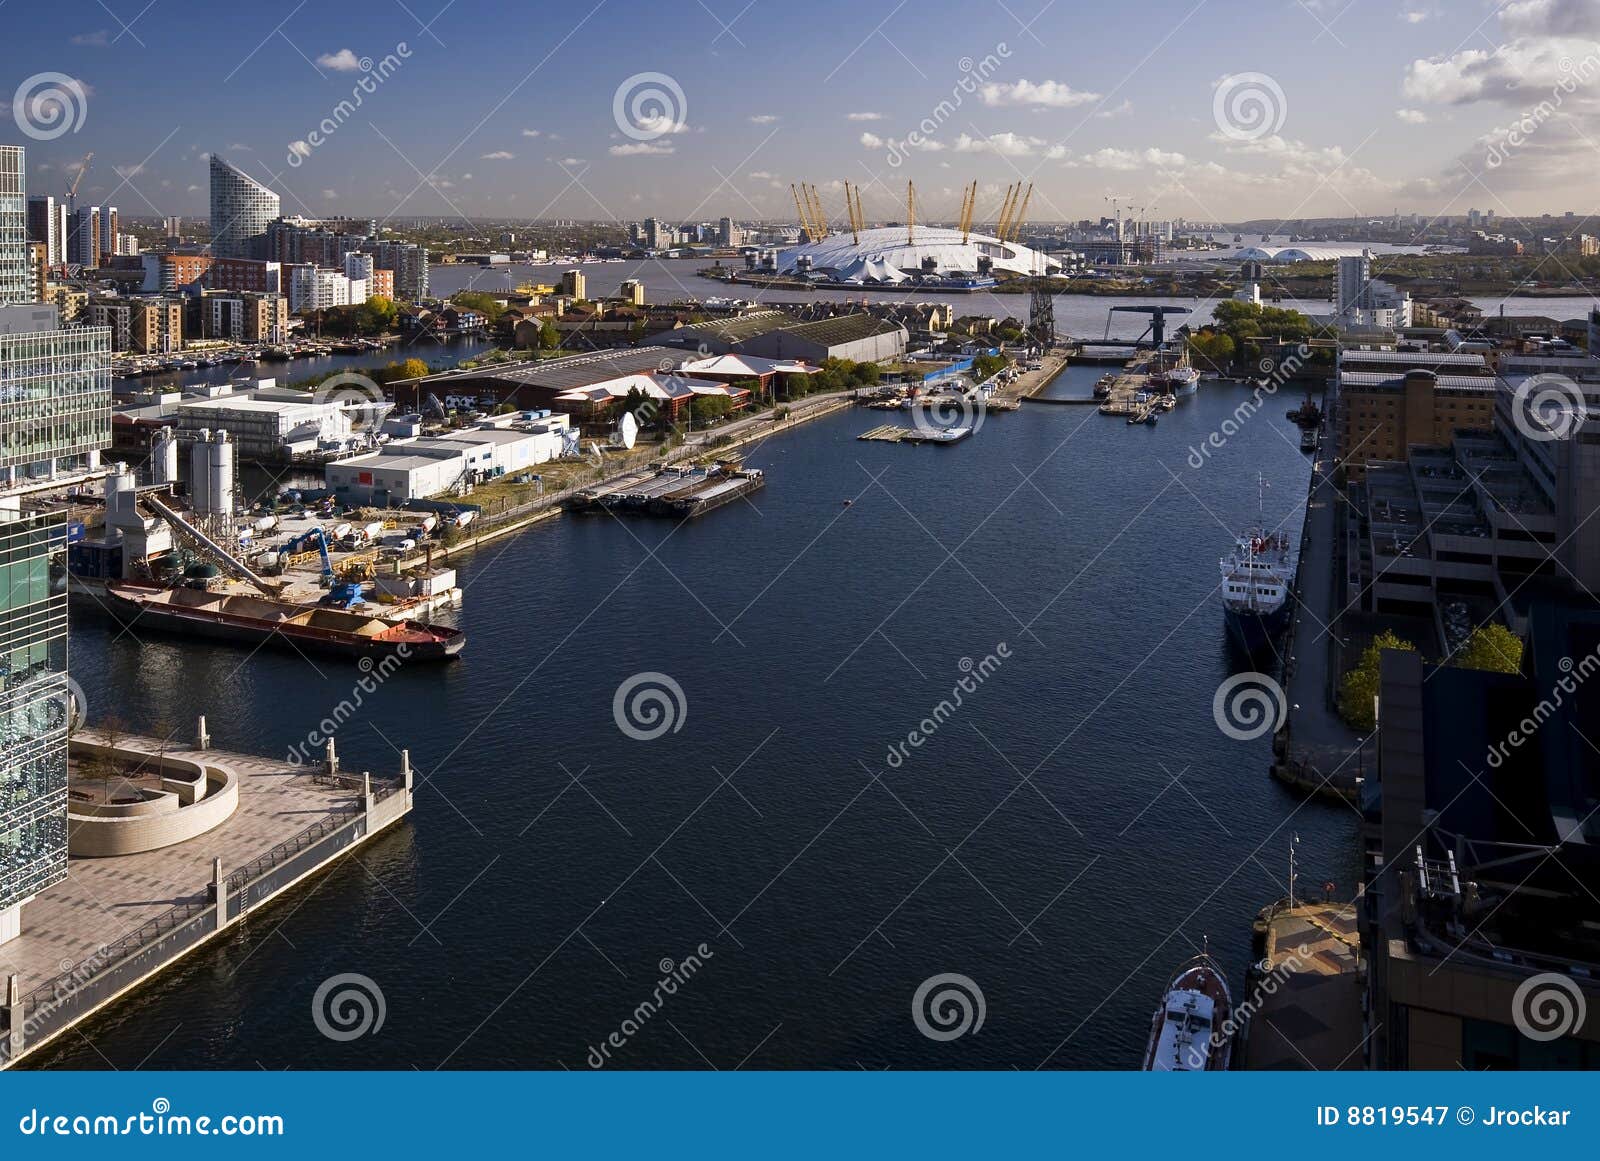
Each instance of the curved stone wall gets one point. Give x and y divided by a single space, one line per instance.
193 799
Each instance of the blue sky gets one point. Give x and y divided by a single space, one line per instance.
1221 109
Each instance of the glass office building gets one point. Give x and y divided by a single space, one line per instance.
34 712
55 394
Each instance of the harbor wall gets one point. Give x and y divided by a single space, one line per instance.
30 1020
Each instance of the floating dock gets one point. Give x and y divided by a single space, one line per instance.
680 492
895 433
118 920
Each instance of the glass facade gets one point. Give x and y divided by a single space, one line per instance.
241 209
55 394
16 280
34 710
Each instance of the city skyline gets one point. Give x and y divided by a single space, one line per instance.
1207 111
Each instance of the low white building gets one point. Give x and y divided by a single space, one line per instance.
414 469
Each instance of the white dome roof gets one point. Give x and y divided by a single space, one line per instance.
887 244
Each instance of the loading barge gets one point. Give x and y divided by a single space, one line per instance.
679 492
254 620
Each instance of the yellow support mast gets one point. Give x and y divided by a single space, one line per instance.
1005 211
817 213
861 214
911 211
1016 223
969 202
800 210
850 213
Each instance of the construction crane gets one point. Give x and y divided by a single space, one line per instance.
969 201
1016 221
1116 201
72 190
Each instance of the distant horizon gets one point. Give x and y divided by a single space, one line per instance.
1303 109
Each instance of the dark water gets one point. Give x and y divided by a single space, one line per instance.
519 918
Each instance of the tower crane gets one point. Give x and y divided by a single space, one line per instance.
1116 201
72 190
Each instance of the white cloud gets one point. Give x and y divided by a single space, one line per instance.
99 38
499 155
300 148
1414 17
863 116
659 125
872 141
1009 145
760 175
1551 18
640 149
330 194
1130 159
343 61
1121 110
530 132
1051 94
571 161
1412 116
763 118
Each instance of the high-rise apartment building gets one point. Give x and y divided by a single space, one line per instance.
83 236
241 210
16 273
47 223
408 261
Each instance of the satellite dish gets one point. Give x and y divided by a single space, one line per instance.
627 430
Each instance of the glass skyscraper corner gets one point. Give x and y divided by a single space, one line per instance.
34 714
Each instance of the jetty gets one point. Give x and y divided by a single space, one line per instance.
155 872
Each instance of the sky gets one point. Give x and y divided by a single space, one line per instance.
1216 110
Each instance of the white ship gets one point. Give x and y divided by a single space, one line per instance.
1257 579
1193 1029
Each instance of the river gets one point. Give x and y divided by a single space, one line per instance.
1064 838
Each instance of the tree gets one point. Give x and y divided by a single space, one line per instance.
1213 347
706 408
376 315
1492 647
1359 687
487 305
106 767
549 337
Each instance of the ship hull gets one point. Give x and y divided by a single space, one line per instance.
219 626
1255 632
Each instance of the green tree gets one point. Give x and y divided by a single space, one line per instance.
706 408
549 337
1492 647
376 315
1359 687
485 304
1214 348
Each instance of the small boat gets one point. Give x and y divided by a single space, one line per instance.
256 620
1193 1028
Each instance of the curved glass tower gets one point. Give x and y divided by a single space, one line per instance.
241 207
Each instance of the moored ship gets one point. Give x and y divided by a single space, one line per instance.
1257 578
1193 1028
258 620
